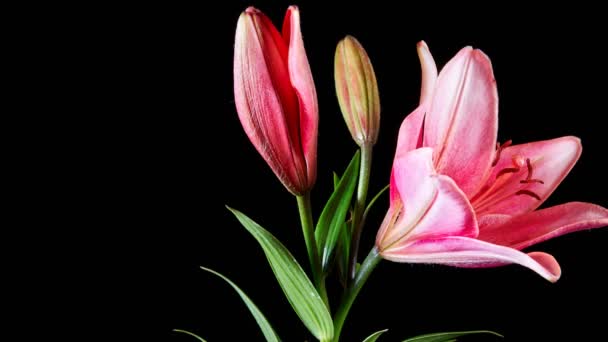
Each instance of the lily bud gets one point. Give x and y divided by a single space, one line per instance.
275 96
357 91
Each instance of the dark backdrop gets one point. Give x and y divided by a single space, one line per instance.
172 154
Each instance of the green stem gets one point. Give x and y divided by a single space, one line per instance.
308 228
358 219
372 260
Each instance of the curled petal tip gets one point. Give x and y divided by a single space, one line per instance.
551 269
479 55
252 10
576 140
429 71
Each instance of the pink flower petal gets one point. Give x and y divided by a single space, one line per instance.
411 131
303 84
429 72
471 253
393 191
415 180
263 93
462 121
551 160
531 228
431 205
491 220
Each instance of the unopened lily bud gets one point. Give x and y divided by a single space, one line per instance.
357 91
275 96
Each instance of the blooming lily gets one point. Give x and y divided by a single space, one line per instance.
457 196
275 96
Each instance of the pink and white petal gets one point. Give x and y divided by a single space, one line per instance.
304 86
433 206
462 121
411 131
411 180
412 175
548 262
551 161
538 226
260 80
450 214
393 191
429 72
394 210
472 253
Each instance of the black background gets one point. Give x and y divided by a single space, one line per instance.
169 153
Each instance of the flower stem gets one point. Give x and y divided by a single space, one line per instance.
357 223
311 245
370 262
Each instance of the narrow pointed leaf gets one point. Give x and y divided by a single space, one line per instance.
298 289
373 337
336 180
448 336
343 248
343 253
331 221
191 334
373 201
263 323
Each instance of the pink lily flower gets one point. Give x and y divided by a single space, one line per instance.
275 96
457 197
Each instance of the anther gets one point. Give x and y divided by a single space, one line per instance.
529 193
499 149
529 178
507 170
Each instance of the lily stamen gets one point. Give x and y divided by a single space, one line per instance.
529 178
507 170
499 149
529 193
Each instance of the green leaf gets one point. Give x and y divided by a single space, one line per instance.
343 253
343 247
298 289
191 334
373 201
263 323
448 336
336 180
331 222
373 337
